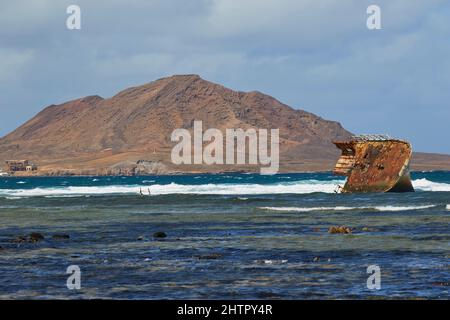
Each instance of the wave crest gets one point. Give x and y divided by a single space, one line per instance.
340 208
295 187
427 185
301 187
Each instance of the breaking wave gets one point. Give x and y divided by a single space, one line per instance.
340 208
427 185
300 187
297 187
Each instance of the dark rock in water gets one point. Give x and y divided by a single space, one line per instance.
20 239
32 238
211 256
442 284
36 237
340 229
159 234
60 237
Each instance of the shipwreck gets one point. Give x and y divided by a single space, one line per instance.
374 163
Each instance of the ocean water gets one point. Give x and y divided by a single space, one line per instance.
229 236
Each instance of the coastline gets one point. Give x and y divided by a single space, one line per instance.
161 167
175 174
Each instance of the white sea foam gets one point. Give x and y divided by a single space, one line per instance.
300 187
307 209
270 261
427 185
297 187
448 207
343 208
404 208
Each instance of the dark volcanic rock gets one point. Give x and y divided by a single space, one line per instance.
441 283
36 237
211 256
159 235
20 239
60 237
32 238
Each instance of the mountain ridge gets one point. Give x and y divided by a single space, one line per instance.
95 135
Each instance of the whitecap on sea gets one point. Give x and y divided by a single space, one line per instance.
342 208
300 187
294 187
427 185
270 261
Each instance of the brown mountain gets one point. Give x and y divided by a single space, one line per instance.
130 132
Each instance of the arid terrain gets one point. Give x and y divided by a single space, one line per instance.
130 132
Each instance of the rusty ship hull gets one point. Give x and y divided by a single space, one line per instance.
374 165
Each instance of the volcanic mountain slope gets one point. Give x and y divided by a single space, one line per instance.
130 132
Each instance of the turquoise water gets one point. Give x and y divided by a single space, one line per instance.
229 236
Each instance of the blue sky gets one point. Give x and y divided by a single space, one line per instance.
315 55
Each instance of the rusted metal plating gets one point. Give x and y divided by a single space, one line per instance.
374 163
